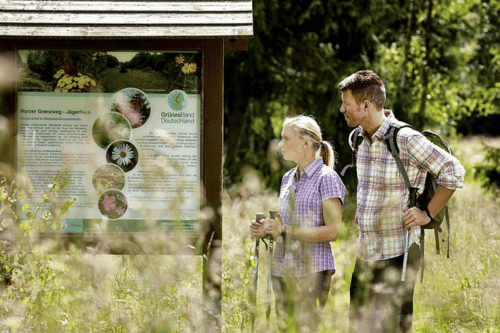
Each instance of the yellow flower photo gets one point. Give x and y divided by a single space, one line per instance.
179 59
189 68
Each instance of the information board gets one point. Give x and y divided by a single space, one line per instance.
126 126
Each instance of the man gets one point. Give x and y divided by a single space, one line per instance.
380 302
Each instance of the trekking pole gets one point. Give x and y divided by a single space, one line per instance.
258 218
405 258
413 203
272 215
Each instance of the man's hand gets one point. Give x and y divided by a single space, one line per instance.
414 217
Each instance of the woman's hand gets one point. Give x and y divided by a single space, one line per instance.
275 227
258 229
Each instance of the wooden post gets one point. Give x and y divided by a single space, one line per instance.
212 174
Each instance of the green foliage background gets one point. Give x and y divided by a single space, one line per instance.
441 71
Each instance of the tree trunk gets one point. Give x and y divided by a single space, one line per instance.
407 45
425 78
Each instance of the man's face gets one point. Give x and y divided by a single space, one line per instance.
352 111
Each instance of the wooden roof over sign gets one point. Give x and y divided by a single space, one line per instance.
125 19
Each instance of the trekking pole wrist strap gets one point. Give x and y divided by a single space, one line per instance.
426 210
283 230
283 237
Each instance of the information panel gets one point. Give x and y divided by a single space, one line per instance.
126 126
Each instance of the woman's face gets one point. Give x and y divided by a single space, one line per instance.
292 146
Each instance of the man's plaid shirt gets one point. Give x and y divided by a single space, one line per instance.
382 193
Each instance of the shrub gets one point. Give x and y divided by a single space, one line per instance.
488 172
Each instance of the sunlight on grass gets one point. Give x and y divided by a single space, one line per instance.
459 294
106 293
76 292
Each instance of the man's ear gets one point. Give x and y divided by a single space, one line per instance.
366 104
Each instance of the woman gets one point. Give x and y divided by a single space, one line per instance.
310 210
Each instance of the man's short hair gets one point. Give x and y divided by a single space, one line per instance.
365 85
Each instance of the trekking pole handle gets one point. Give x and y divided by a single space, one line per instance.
413 203
273 214
258 218
413 196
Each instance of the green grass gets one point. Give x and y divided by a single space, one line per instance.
116 81
73 292
459 294
101 293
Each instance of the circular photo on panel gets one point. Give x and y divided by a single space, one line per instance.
110 127
107 177
112 204
123 154
133 104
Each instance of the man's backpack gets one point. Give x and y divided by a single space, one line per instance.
421 201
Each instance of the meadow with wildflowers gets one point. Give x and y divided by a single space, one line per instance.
82 290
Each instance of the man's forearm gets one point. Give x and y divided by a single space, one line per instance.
439 200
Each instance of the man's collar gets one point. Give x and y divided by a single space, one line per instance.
382 130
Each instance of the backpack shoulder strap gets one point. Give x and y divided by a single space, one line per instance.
392 145
354 140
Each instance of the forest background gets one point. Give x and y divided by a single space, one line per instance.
440 61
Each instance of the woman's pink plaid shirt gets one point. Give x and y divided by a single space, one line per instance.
300 204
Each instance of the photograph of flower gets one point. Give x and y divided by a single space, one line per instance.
113 204
123 154
107 177
133 104
177 100
110 127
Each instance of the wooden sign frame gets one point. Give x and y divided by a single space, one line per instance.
207 243
212 51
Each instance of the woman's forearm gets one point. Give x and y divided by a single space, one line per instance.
326 233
